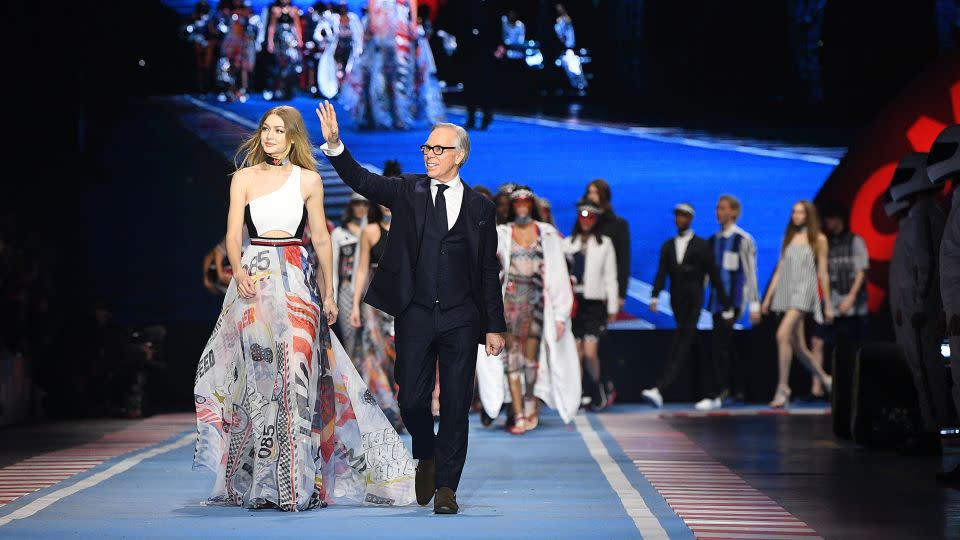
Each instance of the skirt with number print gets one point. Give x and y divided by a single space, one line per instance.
283 418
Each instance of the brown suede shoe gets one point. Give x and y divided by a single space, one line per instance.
425 483
445 502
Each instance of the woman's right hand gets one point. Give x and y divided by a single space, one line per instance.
765 307
245 286
355 317
270 47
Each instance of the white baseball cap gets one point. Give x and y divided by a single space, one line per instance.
685 208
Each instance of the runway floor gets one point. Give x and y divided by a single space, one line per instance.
627 473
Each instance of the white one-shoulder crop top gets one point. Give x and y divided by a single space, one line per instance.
280 210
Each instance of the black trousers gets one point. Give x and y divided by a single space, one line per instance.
686 311
424 336
478 91
725 358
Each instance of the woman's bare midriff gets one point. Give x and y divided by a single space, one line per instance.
275 234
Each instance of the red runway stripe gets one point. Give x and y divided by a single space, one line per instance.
45 470
710 498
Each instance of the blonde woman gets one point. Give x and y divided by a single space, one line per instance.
282 415
794 292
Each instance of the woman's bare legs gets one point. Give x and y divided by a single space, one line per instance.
531 357
785 338
515 363
816 351
805 355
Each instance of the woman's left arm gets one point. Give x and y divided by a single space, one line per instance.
297 29
320 237
823 276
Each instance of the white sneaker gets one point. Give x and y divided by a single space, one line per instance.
653 394
707 404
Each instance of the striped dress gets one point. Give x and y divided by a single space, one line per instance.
797 286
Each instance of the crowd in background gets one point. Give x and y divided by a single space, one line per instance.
380 63
820 277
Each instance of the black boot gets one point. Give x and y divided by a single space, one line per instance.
598 396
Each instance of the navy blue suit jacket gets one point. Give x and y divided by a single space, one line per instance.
408 198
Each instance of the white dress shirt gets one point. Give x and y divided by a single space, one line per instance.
453 195
681 242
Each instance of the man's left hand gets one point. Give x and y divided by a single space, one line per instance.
494 344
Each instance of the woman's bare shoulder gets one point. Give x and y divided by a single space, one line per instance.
310 179
243 174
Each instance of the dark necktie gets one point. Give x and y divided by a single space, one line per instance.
441 208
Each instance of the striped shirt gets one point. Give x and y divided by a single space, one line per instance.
735 254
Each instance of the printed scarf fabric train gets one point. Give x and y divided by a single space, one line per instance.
283 417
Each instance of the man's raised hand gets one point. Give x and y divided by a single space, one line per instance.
328 124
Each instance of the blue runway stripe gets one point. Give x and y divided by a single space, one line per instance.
541 485
669 520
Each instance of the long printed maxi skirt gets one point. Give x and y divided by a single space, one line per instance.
283 417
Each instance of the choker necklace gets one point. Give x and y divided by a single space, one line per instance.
523 220
276 162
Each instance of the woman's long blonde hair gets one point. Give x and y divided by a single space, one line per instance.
251 152
812 225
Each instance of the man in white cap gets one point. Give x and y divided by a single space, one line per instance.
687 259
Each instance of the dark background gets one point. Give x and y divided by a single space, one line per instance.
89 157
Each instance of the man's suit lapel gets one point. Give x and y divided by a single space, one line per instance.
421 205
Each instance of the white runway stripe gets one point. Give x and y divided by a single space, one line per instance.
658 135
648 524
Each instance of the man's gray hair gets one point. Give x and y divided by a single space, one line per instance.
463 140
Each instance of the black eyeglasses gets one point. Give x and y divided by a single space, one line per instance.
437 150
